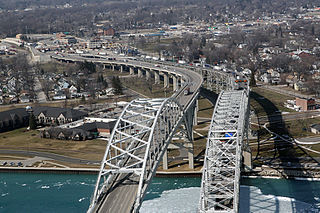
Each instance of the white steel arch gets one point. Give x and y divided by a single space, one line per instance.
221 171
138 141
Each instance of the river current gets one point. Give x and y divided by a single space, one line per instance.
71 193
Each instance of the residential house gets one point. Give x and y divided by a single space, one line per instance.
73 89
50 115
86 131
14 118
24 99
315 128
59 96
300 86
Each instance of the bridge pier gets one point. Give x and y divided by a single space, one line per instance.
113 67
165 160
182 81
175 83
148 74
190 155
186 145
139 73
121 68
156 77
131 71
196 109
104 66
165 80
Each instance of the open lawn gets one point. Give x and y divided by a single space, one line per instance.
21 139
265 102
147 88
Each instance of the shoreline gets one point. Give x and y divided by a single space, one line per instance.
93 171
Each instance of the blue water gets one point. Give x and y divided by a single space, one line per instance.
71 193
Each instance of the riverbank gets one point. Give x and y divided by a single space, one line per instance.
271 173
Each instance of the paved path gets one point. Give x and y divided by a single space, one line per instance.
51 156
38 89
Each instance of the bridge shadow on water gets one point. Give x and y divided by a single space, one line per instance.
277 155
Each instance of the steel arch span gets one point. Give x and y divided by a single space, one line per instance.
138 141
226 138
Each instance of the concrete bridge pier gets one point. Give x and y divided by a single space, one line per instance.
148 74
165 80
139 73
182 81
131 71
113 67
196 109
121 68
104 66
175 83
156 77
165 160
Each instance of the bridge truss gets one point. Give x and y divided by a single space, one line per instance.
226 138
138 141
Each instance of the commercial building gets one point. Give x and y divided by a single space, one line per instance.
306 104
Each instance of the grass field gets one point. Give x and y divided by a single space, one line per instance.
21 139
265 102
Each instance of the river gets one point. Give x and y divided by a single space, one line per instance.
71 193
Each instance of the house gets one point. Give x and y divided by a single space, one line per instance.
300 86
110 91
50 115
59 96
73 90
315 128
24 99
291 80
13 119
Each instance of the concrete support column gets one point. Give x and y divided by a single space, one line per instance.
165 160
131 71
148 74
104 66
140 73
196 108
165 80
121 68
156 77
175 83
182 81
112 67
190 155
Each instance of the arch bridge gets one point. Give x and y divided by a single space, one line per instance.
146 127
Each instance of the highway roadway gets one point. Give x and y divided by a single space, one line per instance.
53 156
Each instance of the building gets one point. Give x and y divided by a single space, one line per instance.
315 128
87 129
13 119
306 104
49 115
109 32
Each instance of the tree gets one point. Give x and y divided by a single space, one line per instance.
116 84
87 67
252 80
32 122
